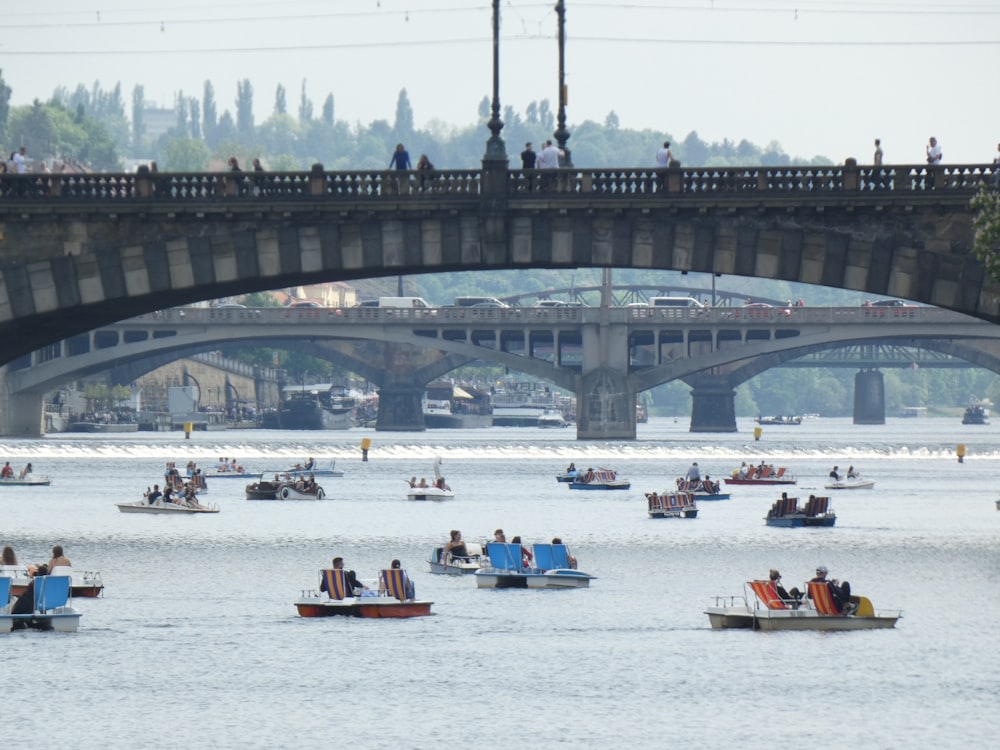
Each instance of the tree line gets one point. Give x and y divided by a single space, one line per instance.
102 127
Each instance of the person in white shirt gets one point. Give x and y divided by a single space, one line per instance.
933 152
664 156
20 166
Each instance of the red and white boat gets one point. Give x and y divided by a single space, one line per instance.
394 599
87 584
766 476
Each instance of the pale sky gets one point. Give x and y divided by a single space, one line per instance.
817 77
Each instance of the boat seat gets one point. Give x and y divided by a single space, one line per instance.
819 592
335 584
51 592
654 501
504 556
395 583
767 592
780 473
544 557
4 592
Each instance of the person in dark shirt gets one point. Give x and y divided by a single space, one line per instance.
353 584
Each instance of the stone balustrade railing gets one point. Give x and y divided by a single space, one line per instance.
192 187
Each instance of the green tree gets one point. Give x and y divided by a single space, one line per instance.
986 246
186 155
209 113
5 92
280 105
327 115
403 126
305 106
181 110
195 108
244 110
138 118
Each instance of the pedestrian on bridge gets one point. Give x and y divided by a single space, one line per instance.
933 152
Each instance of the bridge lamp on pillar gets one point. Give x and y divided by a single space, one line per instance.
495 149
561 134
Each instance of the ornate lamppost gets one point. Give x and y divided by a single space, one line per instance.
495 149
561 134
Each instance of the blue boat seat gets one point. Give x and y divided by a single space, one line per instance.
51 592
504 556
4 592
544 559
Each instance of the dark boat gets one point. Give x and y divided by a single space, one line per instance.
976 414
786 512
779 420
321 406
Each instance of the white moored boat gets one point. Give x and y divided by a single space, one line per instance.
760 608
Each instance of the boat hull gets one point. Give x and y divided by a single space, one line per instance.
164 509
60 620
860 484
794 619
674 513
429 493
491 578
801 520
367 607
29 481
762 482
100 427
622 485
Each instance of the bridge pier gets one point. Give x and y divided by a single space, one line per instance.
23 413
400 408
869 397
605 406
714 404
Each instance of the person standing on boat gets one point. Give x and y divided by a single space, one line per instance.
834 475
694 474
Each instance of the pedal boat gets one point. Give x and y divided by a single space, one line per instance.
473 561
87 584
506 570
51 609
338 601
816 513
601 479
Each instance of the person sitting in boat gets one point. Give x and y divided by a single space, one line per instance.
353 584
412 481
310 464
423 483
153 495
24 472
694 473
8 557
709 486
168 493
851 473
839 592
223 465
793 597
309 483
441 484
408 587
588 477
741 473
834 475
499 536
571 468
570 560
455 548
526 556
7 472
25 604
59 560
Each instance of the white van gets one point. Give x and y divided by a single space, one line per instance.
402 302
674 302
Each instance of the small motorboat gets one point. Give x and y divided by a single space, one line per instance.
702 489
976 413
852 483
28 480
438 491
160 507
552 419
87 584
600 479
473 560
311 467
785 512
760 608
51 607
671 505
761 476
394 600
779 421
552 569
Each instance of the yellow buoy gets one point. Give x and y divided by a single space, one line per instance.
960 452
757 433
366 443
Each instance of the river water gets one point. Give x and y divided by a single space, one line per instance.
196 642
